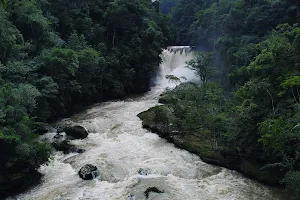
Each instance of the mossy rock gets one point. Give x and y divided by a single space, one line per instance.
158 119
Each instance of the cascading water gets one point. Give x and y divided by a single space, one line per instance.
174 63
131 159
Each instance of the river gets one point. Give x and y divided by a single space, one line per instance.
119 146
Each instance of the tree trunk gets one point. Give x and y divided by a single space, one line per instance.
294 95
114 37
271 100
298 94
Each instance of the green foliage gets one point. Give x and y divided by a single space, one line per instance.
3 3
203 65
76 42
254 47
10 37
21 152
173 79
57 57
292 179
197 109
167 5
274 134
162 115
291 82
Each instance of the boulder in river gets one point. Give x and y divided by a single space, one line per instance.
66 147
59 129
88 172
152 189
144 172
58 136
77 132
131 197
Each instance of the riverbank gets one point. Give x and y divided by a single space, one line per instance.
121 150
164 121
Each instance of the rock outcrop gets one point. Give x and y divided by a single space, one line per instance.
77 132
88 172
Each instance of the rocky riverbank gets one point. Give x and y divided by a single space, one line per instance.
163 121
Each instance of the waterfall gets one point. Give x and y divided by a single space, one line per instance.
131 160
174 60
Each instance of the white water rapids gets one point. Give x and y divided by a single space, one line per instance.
119 146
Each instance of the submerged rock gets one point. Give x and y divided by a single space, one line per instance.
144 172
152 189
77 132
131 197
66 147
59 129
88 172
58 136
80 150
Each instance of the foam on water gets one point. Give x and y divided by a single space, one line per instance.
119 147
174 63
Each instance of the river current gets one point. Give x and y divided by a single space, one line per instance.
119 146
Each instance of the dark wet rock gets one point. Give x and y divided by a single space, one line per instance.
88 172
59 129
77 132
80 150
142 171
152 189
131 197
58 136
66 147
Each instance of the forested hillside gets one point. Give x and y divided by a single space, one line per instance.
57 57
253 48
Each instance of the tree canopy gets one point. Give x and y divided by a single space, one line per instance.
57 57
254 47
